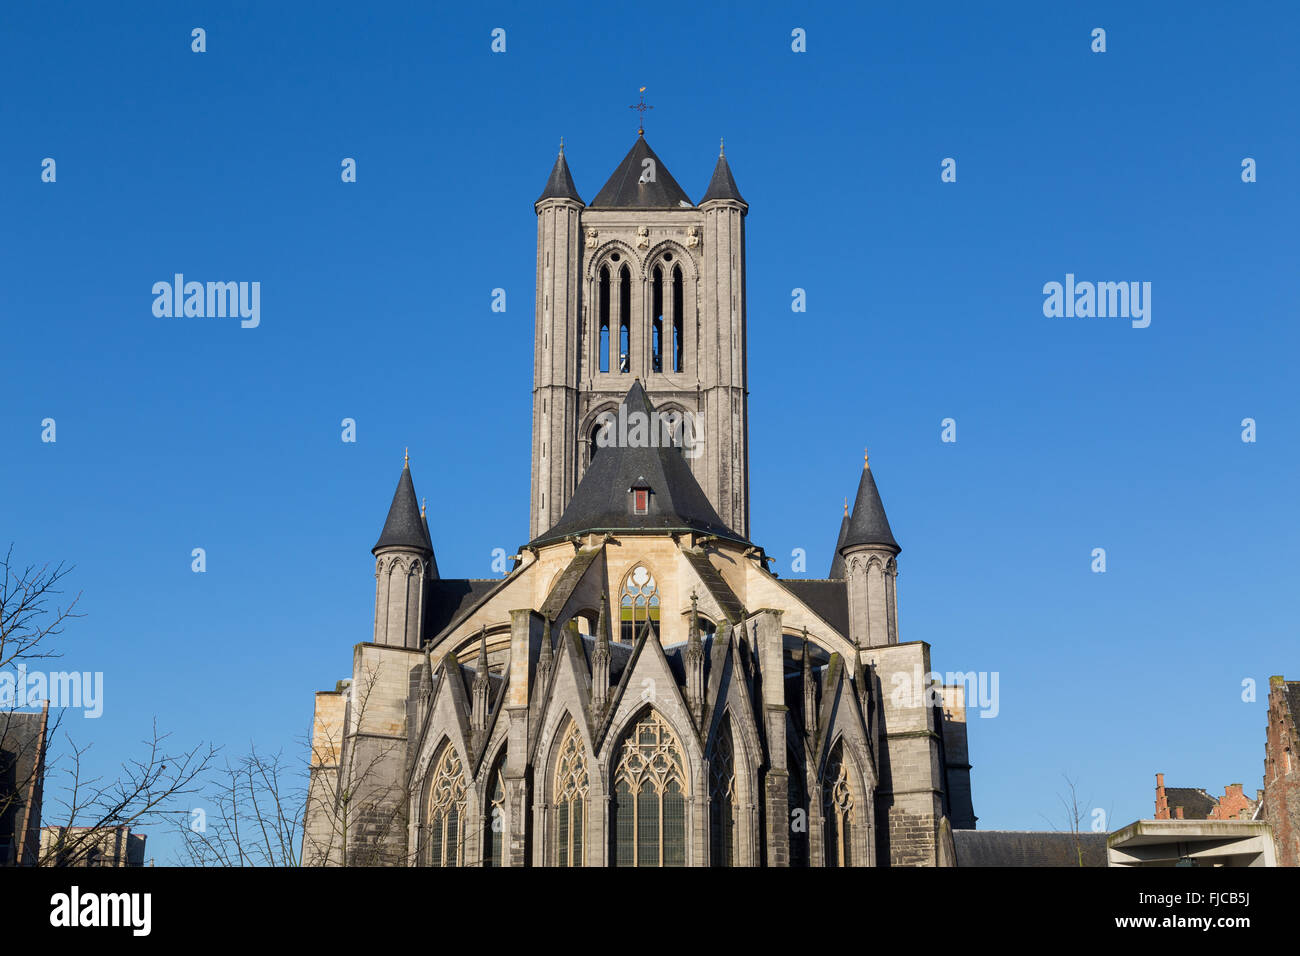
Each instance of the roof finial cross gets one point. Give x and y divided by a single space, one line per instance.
641 108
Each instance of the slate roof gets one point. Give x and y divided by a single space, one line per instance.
868 524
566 582
601 501
1027 848
624 190
560 184
404 527
723 184
716 584
830 599
837 562
1196 803
451 599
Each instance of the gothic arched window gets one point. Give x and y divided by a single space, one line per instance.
446 811
648 827
838 810
724 806
678 305
494 827
570 799
657 320
638 604
624 320
603 336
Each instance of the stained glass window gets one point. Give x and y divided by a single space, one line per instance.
649 825
723 805
446 813
494 832
570 799
639 603
837 807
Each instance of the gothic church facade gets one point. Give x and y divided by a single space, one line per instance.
640 689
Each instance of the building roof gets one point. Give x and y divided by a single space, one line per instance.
404 527
602 501
560 184
723 184
837 562
450 599
868 524
1196 803
625 190
1028 848
829 599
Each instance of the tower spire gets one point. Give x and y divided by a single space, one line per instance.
641 107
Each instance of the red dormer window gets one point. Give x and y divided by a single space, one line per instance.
640 501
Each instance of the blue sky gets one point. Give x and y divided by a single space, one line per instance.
924 303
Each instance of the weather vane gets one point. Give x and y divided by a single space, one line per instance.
641 108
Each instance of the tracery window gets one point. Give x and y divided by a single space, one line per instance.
446 811
603 333
724 807
494 829
649 809
638 604
838 809
571 787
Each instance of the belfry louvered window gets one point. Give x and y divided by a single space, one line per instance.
494 829
570 799
838 810
638 604
723 805
446 815
649 810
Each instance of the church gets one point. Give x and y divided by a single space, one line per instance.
640 689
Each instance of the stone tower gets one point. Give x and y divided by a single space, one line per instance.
869 551
640 284
404 566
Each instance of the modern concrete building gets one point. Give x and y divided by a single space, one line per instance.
1192 843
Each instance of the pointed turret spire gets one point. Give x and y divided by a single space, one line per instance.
869 526
809 692
405 526
478 710
600 659
545 656
694 660
837 561
560 184
723 184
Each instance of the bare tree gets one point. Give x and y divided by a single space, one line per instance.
1075 813
353 810
256 817
32 617
142 793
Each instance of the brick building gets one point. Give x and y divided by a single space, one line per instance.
22 785
1281 801
1193 803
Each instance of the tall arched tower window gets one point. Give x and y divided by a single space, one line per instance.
570 799
723 804
657 320
648 825
624 320
838 809
638 604
603 307
494 827
678 300
446 811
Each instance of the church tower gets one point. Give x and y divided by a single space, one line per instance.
404 566
642 284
